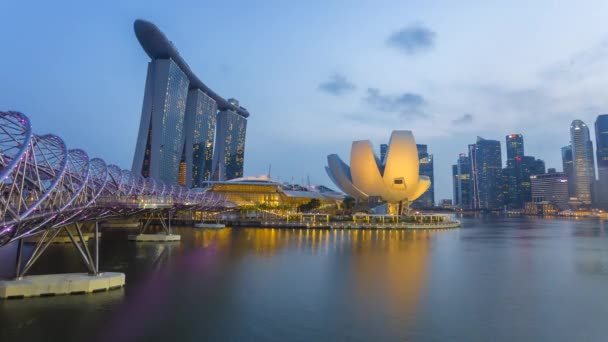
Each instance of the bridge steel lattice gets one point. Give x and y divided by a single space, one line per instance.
46 187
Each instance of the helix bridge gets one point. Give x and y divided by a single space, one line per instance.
46 187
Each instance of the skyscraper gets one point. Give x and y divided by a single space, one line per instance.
455 186
582 155
601 141
463 183
178 121
427 200
568 168
201 118
515 146
383 149
486 171
228 158
514 172
530 167
161 130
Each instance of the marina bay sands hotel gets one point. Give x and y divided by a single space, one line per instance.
188 134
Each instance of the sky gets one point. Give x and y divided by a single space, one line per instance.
317 75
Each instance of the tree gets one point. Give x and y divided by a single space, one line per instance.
311 205
348 202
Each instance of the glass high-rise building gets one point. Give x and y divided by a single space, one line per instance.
161 130
530 167
201 116
513 173
582 155
229 156
426 200
383 149
568 168
180 120
516 175
463 186
515 146
601 153
486 171
455 185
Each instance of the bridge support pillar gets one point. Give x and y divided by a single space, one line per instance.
162 216
18 259
56 284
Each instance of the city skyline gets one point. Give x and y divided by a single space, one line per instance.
329 91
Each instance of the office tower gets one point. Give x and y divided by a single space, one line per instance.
534 166
228 158
427 200
178 123
513 173
486 171
455 186
161 130
383 149
515 146
529 166
201 116
582 156
551 170
551 187
601 141
568 168
507 187
464 196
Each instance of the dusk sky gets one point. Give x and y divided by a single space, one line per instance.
316 75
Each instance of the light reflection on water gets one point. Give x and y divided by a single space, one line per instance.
495 279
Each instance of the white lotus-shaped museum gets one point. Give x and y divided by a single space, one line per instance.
394 179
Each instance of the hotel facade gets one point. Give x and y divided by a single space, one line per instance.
188 134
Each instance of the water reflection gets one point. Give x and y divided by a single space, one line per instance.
495 279
230 283
385 269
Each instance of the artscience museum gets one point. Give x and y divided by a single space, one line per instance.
395 179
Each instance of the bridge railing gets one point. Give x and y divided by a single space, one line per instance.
43 185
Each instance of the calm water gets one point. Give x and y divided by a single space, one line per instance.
492 280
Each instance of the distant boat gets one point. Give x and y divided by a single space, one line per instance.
209 225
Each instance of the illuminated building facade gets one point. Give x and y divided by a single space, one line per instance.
161 129
229 157
181 179
427 200
246 192
568 168
201 119
551 187
396 181
582 156
513 172
180 119
516 175
486 174
455 185
601 141
463 186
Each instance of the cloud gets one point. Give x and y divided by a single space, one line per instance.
412 39
337 85
580 66
464 119
406 104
